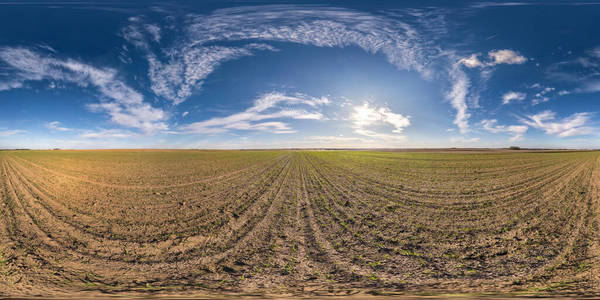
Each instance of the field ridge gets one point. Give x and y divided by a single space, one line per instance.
286 222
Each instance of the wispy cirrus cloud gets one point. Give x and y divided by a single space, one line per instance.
9 85
464 140
183 70
353 142
176 79
346 140
11 132
317 26
140 116
518 131
582 72
106 134
99 133
179 68
461 82
56 125
457 96
124 104
486 4
262 114
573 125
193 57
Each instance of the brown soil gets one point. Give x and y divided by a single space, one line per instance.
298 223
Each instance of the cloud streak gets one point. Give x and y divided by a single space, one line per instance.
573 125
458 97
124 104
492 126
176 79
196 55
261 115
583 72
11 132
191 59
461 83
106 134
55 125
178 69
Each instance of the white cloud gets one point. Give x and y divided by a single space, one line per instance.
106 134
5 86
464 140
381 136
539 100
181 67
185 113
273 127
176 80
495 57
595 52
582 72
510 96
461 83
142 116
377 141
124 104
336 140
318 26
55 125
458 97
154 31
506 56
364 116
486 4
188 61
137 34
547 90
492 126
354 142
541 96
574 125
543 93
269 106
535 86
564 92
273 99
471 61
5 133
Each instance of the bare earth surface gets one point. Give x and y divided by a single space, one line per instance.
217 224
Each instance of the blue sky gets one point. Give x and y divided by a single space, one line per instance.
254 74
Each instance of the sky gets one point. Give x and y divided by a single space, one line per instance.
335 74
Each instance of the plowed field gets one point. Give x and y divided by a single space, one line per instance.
298 222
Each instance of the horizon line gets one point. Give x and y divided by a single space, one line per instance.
305 148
